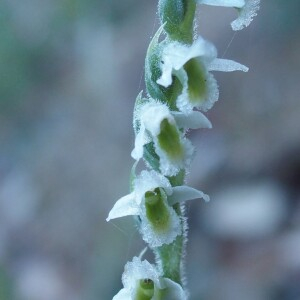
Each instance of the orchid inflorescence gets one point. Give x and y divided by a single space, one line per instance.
180 86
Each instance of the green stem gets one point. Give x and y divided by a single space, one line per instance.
169 257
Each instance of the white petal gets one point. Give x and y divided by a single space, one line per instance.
225 3
184 193
140 141
226 65
213 93
123 294
194 120
200 48
148 181
173 290
246 14
166 75
152 114
137 270
125 206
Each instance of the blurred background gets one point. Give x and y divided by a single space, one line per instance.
70 71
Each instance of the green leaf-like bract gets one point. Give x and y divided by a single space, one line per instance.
178 16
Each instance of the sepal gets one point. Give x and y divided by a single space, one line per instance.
125 206
226 65
247 10
246 14
225 3
194 120
183 193
191 65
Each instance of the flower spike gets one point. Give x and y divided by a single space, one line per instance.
179 87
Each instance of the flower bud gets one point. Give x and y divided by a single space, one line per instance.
178 16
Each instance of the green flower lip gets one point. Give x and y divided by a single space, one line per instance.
152 197
197 82
145 289
157 210
169 140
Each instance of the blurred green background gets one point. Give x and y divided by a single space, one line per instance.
69 74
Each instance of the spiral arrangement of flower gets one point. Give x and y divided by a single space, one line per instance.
180 86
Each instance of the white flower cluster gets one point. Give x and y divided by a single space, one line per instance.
183 70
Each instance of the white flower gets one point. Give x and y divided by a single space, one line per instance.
247 10
161 126
141 280
191 65
162 225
